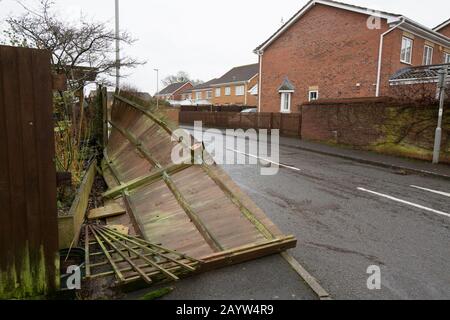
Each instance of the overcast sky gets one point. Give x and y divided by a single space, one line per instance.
206 38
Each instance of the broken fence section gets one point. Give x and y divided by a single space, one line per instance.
196 210
128 258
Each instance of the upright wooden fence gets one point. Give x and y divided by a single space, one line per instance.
28 218
288 124
215 108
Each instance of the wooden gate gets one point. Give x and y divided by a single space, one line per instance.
28 225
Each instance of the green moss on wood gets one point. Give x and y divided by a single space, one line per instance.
157 294
31 280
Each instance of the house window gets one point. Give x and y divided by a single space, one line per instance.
313 95
228 91
446 57
286 102
240 90
208 95
218 92
428 55
406 53
190 96
198 96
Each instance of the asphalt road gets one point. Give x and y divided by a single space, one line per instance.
348 216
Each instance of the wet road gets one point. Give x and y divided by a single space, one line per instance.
349 216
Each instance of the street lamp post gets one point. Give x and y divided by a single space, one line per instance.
157 88
438 138
117 46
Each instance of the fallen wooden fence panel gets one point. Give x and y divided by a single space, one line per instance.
196 210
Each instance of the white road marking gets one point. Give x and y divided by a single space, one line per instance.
266 160
445 194
406 202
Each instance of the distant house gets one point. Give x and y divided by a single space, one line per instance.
335 50
202 94
239 86
174 91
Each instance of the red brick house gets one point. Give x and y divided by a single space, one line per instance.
444 28
174 91
334 50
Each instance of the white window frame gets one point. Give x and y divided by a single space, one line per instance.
208 94
310 93
428 52
218 92
285 99
403 51
228 91
239 91
446 57
198 95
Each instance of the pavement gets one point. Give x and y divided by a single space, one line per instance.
369 157
348 215
269 278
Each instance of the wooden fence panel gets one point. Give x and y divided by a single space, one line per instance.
28 226
288 124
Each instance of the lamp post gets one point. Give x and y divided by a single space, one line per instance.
157 88
438 138
117 46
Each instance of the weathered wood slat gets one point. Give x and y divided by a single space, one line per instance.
161 123
148 179
146 248
209 237
135 252
124 256
108 256
69 226
246 212
106 212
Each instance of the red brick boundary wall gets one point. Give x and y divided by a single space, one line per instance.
378 124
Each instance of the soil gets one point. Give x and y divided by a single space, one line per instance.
96 199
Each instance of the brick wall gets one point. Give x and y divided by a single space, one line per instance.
377 124
445 31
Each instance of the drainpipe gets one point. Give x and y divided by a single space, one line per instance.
380 57
260 55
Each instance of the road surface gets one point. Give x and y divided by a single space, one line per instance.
349 216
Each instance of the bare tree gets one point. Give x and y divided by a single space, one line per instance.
72 45
181 76
83 51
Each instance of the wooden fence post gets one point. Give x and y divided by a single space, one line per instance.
104 99
300 121
271 121
281 123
